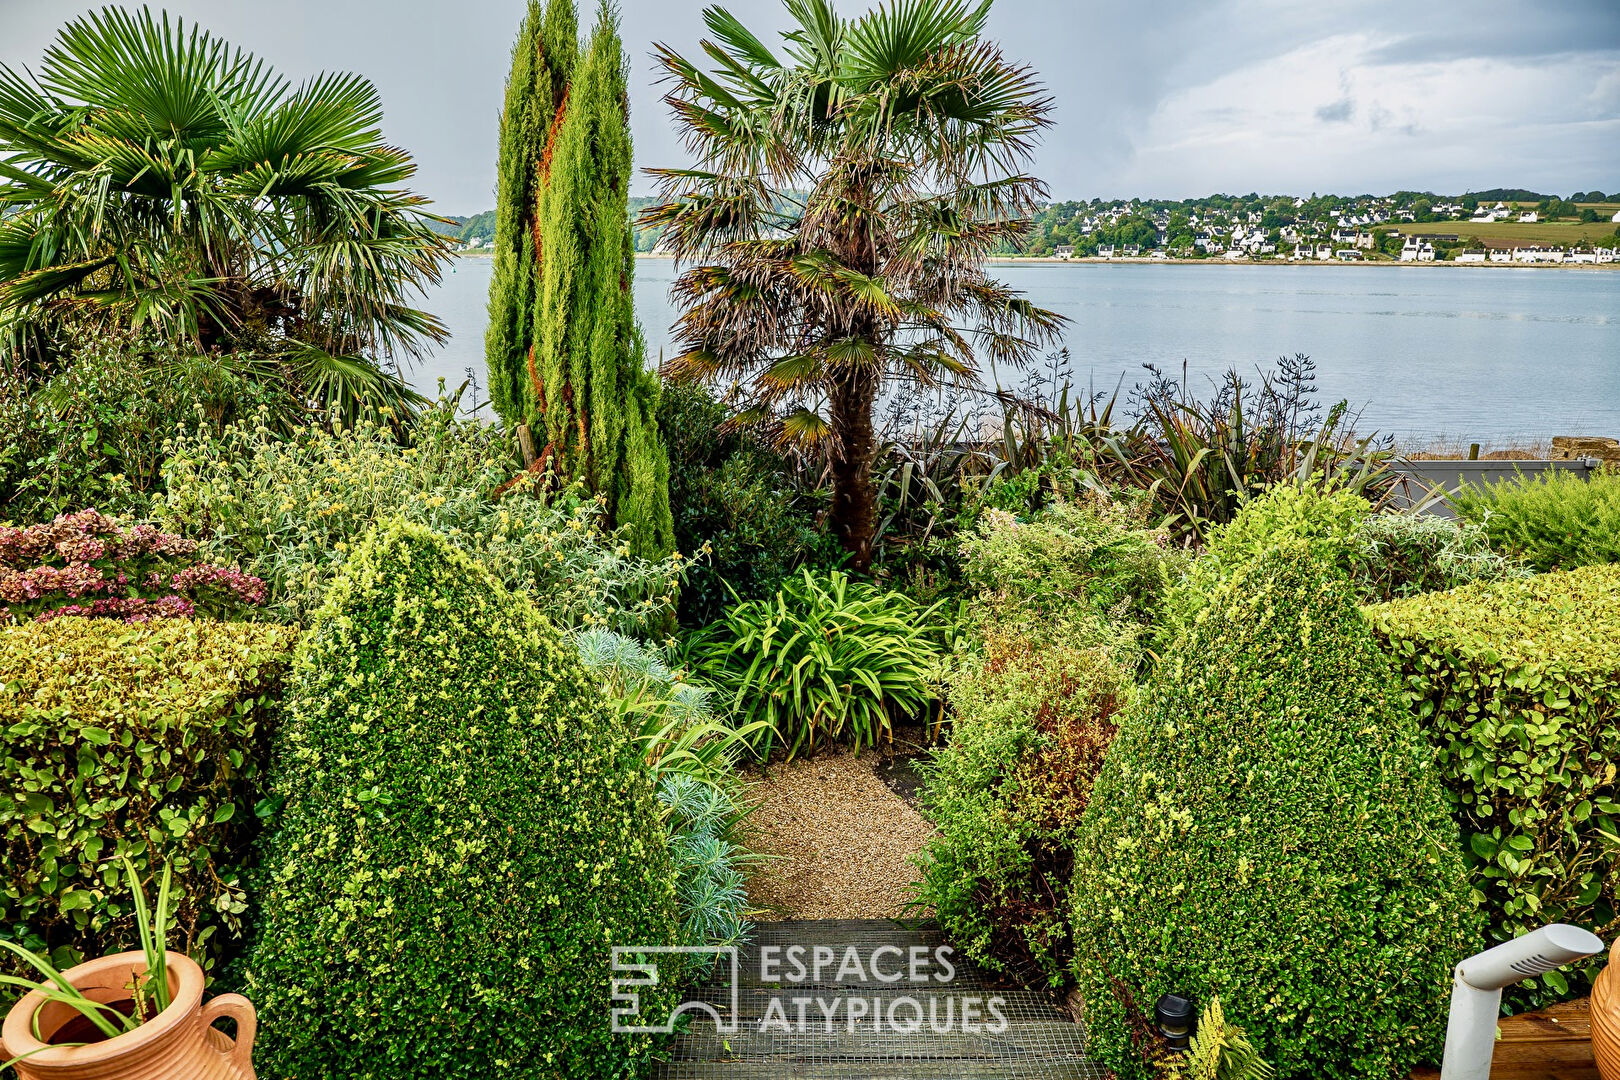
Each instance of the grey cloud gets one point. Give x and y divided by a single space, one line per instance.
1340 112
1109 64
1511 32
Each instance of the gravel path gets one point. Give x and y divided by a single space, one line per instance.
842 842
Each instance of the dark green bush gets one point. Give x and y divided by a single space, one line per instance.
1267 827
1061 600
1556 521
731 492
467 833
1029 728
146 740
1517 685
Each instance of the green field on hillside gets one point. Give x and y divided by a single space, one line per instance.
1512 233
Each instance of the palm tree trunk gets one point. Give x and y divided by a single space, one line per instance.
854 502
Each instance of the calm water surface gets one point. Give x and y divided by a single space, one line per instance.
1486 354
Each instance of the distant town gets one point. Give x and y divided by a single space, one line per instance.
1501 225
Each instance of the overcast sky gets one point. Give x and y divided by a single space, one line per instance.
1170 98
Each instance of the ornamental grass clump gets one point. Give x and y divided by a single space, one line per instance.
87 564
826 660
1517 686
1267 827
468 831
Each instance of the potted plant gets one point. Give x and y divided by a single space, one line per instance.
1606 1017
131 1014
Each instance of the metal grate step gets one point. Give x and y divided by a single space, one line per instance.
824 1028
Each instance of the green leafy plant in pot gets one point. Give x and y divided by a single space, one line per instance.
132 1013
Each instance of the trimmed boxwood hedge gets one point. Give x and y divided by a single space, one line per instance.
1267 827
143 739
1517 685
467 833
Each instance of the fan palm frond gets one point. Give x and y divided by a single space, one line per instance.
179 182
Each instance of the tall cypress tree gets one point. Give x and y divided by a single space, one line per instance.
575 369
542 62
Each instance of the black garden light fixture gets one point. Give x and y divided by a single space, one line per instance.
1176 1020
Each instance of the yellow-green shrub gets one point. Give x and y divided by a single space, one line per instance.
1555 521
1517 685
142 739
468 831
1267 828
290 508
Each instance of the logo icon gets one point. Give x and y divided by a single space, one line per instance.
642 971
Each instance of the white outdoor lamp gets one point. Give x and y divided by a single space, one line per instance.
1476 991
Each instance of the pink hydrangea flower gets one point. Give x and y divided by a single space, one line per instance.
124 572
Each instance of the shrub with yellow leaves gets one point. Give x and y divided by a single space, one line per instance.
288 510
468 829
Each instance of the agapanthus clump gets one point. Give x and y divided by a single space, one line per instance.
87 564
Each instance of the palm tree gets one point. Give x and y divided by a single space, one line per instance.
909 132
153 176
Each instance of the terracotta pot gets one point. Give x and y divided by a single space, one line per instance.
1606 1018
177 1044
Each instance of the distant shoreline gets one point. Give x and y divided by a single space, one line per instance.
1047 260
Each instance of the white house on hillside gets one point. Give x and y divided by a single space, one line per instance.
1416 249
1538 255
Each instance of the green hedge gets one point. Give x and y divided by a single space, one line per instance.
1518 687
1267 827
146 740
1556 521
467 832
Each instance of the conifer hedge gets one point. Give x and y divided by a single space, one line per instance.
1267 827
467 833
